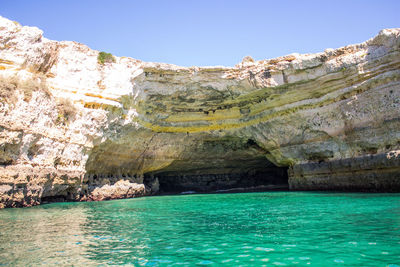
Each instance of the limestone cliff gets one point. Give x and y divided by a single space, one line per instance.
73 128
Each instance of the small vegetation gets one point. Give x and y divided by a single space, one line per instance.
127 101
66 111
10 85
104 57
247 59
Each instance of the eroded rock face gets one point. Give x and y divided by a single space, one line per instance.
74 129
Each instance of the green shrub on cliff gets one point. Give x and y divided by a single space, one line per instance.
104 57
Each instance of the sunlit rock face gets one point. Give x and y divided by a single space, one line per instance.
74 129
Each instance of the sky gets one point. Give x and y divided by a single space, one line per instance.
206 32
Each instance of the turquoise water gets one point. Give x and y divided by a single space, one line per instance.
249 229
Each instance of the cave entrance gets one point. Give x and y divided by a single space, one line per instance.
267 179
231 165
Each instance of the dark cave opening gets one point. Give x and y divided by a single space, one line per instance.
57 198
267 179
216 164
222 165
64 196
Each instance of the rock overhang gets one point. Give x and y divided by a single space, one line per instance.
137 118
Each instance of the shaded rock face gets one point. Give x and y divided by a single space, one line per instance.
220 164
74 129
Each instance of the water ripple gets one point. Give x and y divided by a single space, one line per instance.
276 228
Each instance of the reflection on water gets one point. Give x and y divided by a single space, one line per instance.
44 235
276 228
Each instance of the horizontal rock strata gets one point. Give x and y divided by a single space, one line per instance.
74 128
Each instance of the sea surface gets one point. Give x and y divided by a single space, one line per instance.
246 229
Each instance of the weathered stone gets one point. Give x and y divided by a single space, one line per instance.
121 189
74 129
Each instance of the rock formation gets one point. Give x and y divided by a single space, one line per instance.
74 128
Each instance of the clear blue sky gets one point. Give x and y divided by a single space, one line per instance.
206 32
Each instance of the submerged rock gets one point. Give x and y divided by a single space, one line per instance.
74 129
